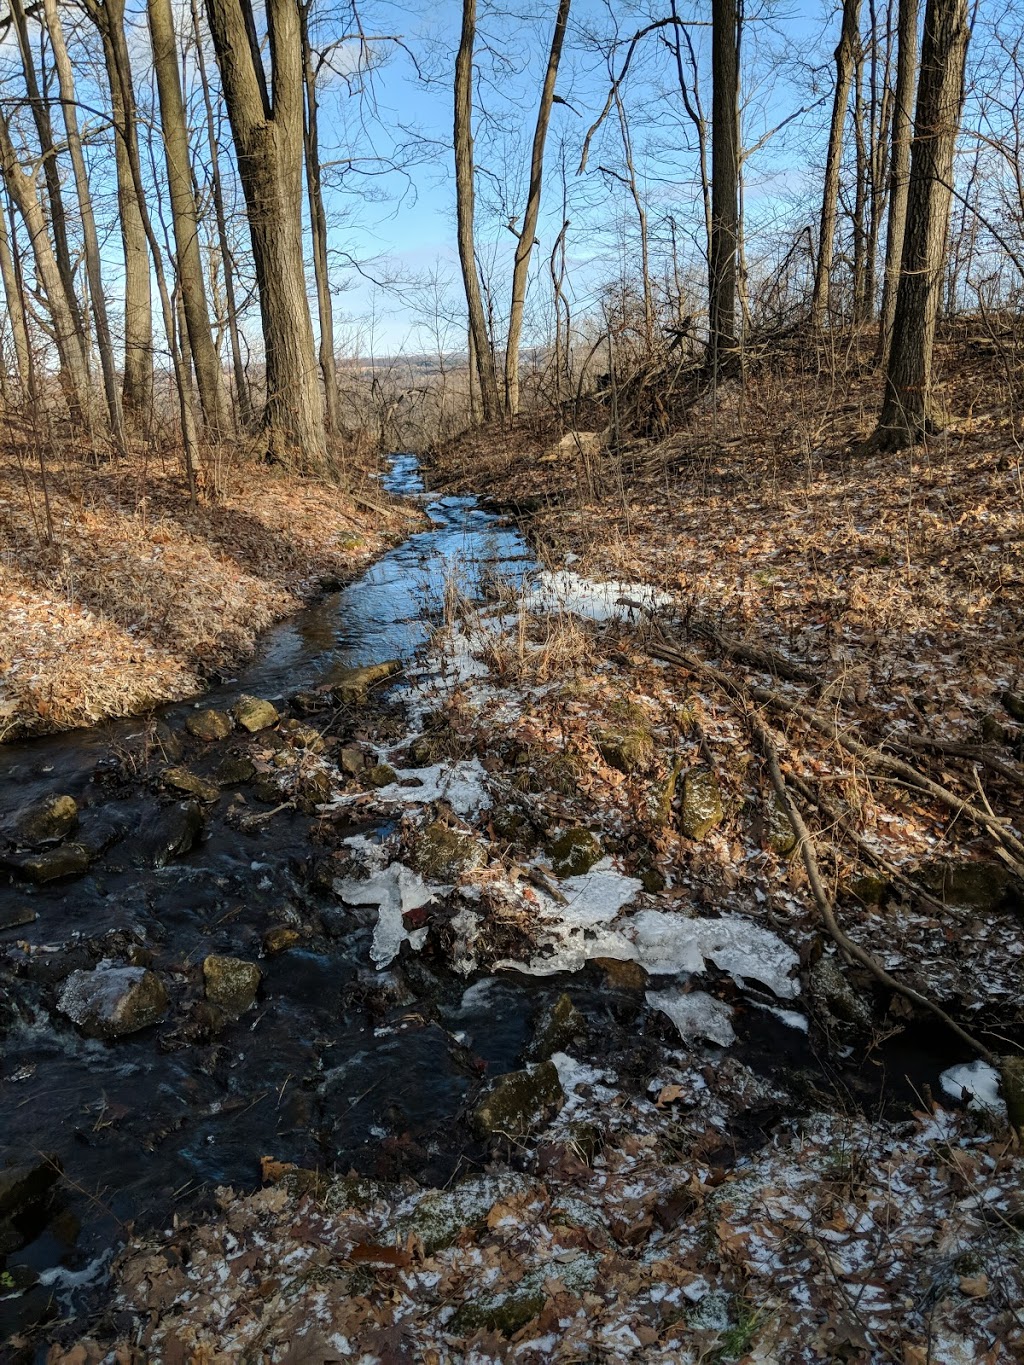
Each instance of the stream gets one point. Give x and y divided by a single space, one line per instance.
336 1066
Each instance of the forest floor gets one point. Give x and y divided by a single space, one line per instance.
116 594
728 1141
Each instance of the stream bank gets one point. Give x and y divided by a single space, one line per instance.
464 930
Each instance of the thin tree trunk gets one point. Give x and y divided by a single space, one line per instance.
899 173
723 353
641 215
908 409
318 227
51 176
93 268
242 393
267 128
860 193
74 375
189 261
524 247
16 313
695 113
844 58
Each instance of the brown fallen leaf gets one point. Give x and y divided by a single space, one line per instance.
976 1286
369 1253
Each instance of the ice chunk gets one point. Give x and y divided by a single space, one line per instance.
667 944
395 891
462 785
980 1079
695 1015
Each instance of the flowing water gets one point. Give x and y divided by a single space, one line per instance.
326 1070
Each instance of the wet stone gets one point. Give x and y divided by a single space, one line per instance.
558 1029
234 769
14 916
45 821
441 854
380 775
55 864
170 832
351 760
180 779
302 736
254 715
25 1180
574 852
279 939
111 1002
209 725
517 1103
702 808
622 975
231 983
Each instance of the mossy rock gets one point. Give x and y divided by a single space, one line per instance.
441 1216
1014 703
574 852
629 751
349 540
230 982
181 780
209 725
511 826
833 995
660 799
351 686
702 808
993 731
302 736
869 890
279 939
558 1028
442 854
980 886
234 769
520 1101
254 714
777 832
507 1312
45 821
380 775
313 789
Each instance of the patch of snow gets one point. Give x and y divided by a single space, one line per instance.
562 590
667 944
695 1015
462 785
791 1018
395 891
572 1073
980 1079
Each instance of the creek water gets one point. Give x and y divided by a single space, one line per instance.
327 1070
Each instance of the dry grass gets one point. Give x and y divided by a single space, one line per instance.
138 597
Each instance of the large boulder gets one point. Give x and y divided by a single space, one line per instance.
351 686
231 982
110 1002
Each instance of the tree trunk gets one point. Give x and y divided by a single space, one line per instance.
524 247
844 56
723 354
51 175
899 171
267 128
74 375
69 106
318 227
188 257
16 313
908 409
465 201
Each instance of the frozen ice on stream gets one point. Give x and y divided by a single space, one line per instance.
695 1014
395 891
562 590
980 1080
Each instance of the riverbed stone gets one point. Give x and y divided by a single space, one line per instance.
182 780
442 854
231 982
380 775
209 725
111 1002
702 808
979 885
15 916
46 820
622 974
351 686
833 995
234 769
279 938
55 864
440 1216
171 832
351 760
574 852
559 1028
254 714
302 736
25 1179
520 1101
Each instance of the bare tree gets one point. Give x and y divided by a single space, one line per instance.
899 169
723 353
266 120
13 292
908 409
465 208
527 234
844 57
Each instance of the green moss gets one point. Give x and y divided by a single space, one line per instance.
443 854
702 808
574 852
518 1102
